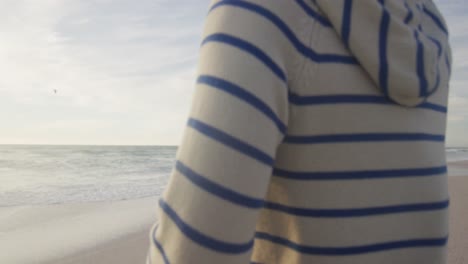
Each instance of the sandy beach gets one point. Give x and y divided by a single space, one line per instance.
458 242
117 232
102 232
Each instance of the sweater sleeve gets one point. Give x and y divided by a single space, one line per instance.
223 166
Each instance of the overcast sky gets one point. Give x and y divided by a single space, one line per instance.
124 70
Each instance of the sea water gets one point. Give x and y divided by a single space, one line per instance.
64 174
69 174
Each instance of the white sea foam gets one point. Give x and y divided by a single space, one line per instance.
63 174
457 154
66 174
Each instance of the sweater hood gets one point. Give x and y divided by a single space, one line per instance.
402 45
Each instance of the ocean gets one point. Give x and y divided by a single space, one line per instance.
71 174
66 174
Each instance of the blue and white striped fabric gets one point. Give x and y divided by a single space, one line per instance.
316 135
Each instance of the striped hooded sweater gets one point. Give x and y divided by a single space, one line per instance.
316 135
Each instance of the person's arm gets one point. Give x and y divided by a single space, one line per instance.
238 118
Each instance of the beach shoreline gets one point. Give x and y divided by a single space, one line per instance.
117 232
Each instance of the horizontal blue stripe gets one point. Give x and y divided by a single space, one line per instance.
354 250
160 248
357 212
365 137
337 99
353 99
436 19
231 141
434 107
249 202
245 96
306 51
314 14
217 189
249 48
200 238
358 175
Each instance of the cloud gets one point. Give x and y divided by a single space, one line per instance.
108 60
125 70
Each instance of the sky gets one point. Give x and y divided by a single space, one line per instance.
124 70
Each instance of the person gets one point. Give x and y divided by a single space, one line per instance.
316 135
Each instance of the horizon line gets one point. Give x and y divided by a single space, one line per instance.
90 145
